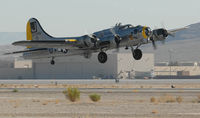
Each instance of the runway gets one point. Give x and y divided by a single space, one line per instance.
103 81
189 91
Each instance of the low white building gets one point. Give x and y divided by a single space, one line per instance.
23 64
77 67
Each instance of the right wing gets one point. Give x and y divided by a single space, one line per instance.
173 31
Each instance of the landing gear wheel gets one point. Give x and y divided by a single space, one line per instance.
102 57
52 61
137 54
126 48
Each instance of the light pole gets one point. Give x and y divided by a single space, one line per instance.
170 62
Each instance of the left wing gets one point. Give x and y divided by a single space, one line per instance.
29 50
69 44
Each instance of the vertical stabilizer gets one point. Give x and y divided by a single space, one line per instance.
34 31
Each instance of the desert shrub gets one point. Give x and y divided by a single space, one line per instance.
170 99
57 101
179 99
2 85
197 100
15 90
198 97
36 100
65 92
154 111
95 97
153 99
167 99
73 94
45 103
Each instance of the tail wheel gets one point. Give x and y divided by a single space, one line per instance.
137 54
102 57
52 61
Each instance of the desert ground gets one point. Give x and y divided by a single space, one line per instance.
135 99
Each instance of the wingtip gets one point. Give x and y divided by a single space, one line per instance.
186 27
7 53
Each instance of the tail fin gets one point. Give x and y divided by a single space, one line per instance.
34 31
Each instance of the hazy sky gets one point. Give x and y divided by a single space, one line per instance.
76 17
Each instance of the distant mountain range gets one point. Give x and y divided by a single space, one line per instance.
193 32
9 37
185 46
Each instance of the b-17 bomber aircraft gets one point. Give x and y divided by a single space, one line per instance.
41 45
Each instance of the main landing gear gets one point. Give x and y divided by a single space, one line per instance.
102 57
137 53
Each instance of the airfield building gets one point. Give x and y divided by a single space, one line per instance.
177 70
119 65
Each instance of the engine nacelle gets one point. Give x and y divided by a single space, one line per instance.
89 42
160 34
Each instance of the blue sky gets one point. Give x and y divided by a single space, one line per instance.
78 17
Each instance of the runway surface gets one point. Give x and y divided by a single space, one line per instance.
189 91
104 81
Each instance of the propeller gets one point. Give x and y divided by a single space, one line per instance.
166 32
153 43
117 38
159 34
94 39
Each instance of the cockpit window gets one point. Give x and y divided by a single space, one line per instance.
126 26
138 28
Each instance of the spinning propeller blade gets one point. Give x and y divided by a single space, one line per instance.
116 37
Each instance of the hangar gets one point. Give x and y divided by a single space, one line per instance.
119 65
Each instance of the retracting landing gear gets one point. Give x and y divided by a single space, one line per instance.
52 61
137 53
102 57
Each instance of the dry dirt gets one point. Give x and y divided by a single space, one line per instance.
130 104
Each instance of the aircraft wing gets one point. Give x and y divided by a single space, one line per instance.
69 44
173 31
30 50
